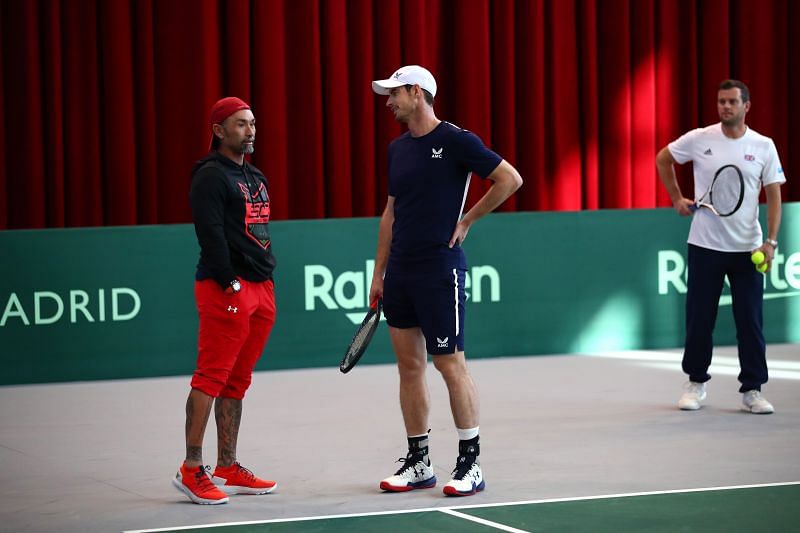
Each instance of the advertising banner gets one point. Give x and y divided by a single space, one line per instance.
100 303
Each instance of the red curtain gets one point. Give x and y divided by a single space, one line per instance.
104 102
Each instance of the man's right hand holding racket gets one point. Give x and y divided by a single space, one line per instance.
685 206
376 289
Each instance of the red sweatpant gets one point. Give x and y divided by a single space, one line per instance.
233 332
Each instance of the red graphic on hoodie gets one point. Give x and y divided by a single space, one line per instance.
256 213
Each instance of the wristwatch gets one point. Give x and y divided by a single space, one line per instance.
772 243
236 286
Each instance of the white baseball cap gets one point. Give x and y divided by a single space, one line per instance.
408 75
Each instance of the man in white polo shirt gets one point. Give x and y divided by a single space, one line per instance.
721 246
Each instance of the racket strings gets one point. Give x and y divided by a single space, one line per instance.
726 192
362 338
363 335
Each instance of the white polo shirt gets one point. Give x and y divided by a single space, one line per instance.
756 156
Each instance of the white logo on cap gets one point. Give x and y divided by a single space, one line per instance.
437 154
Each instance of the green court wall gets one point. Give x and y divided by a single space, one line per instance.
104 303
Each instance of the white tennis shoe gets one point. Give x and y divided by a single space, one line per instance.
755 403
414 474
467 478
693 396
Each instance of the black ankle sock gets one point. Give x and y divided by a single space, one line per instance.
469 447
418 448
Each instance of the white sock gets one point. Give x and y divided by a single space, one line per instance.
467 434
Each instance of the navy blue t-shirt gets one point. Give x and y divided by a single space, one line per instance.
429 178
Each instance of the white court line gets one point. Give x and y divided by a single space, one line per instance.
629 495
476 506
730 370
643 355
720 364
483 521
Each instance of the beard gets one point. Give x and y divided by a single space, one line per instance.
732 120
402 119
245 148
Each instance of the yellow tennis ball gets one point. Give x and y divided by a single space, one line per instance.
758 257
762 267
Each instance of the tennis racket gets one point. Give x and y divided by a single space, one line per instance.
362 337
726 193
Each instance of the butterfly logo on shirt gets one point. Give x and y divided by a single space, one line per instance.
436 154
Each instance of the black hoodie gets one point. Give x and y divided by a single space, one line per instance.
230 209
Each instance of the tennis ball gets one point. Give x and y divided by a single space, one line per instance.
758 257
762 267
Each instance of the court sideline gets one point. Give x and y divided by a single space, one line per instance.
98 456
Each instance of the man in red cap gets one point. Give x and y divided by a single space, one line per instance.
235 299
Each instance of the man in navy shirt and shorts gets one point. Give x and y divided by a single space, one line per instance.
420 269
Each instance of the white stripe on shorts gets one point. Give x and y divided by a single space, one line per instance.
455 297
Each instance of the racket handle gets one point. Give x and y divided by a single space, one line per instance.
694 207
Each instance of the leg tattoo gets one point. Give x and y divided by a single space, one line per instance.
198 409
228 413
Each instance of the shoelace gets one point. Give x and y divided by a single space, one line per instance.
693 388
463 466
203 479
246 472
755 395
409 462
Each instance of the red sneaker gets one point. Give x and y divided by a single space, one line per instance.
236 479
196 483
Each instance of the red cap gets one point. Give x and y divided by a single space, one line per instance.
223 109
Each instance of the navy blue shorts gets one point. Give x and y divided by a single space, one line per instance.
432 302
